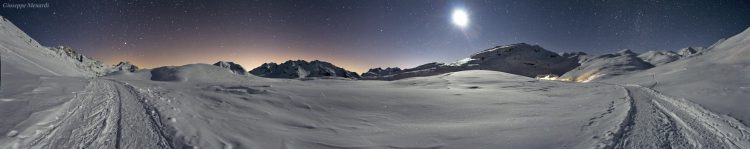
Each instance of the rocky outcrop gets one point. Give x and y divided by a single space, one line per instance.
379 72
231 66
302 69
82 62
124 66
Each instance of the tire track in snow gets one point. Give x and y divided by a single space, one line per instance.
660 121
152 115
623 115
648 126
108 115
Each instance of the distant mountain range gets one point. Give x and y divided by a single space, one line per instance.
520 58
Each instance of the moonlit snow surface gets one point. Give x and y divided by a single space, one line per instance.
48 102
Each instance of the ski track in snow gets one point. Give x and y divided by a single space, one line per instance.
655 120
109 115
114 114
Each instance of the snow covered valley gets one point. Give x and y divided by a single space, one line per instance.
48 100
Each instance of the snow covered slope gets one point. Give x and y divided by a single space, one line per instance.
302 69
28 56
192 73
607 65
467 109
718 79
657 58
521 59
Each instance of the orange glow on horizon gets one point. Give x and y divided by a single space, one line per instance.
247 60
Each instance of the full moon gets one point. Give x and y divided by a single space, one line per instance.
460 18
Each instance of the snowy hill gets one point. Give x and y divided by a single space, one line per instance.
521 59
193 73
302 69
607 65
16 47
718 78
231 66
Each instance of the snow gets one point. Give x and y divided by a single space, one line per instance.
461 109
521 59
714 79
48 101
192 72
690 51
607 65
657 58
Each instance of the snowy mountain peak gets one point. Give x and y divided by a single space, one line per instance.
626 52
377 72
124 66
622 62
302 69
231 66
659 57
520 59
509 48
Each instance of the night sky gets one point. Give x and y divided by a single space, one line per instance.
360 34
